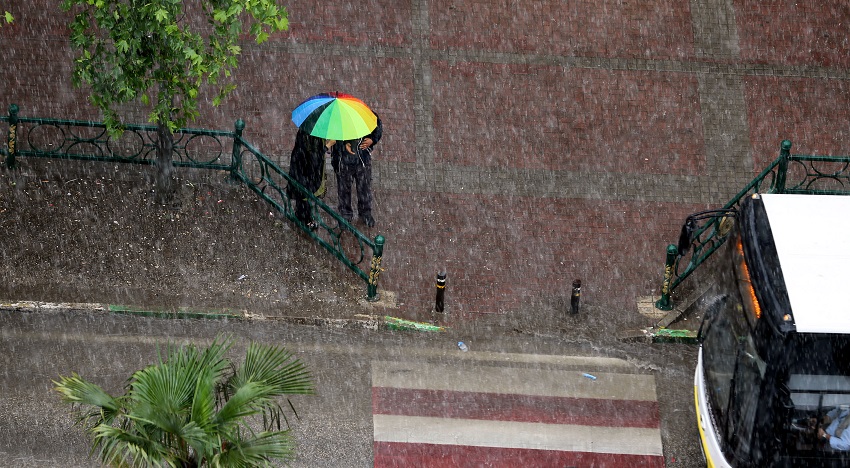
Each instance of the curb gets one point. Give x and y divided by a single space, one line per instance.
365 322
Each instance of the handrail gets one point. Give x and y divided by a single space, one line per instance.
198 149
263 177
808 175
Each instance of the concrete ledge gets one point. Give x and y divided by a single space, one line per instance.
367 322
37 306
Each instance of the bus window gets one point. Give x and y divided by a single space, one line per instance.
745 395
819 381
721 335
733 373
819 377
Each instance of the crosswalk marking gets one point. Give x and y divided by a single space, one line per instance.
402 455
514 407
498 414
480 378
482 433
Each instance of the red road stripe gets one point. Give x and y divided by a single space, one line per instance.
394 454
511 407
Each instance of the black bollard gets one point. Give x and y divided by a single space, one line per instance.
441 291
575 298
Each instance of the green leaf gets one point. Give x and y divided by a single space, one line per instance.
234 10
161 15
258 450
122 46
282 23
76 390
9 18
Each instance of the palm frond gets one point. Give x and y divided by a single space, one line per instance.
277 367
118 447
93 404
257 451
213 356
206 441
250 399
171 385
76 390
203 402
203 443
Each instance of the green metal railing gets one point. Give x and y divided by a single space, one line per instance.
197 149
789 173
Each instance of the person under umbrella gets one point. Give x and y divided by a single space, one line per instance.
352 163
356 129
307 167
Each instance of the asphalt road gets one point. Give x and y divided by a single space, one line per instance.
336 426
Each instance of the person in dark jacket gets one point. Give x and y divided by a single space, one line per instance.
352 163
307 167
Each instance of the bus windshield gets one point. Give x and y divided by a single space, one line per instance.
768 393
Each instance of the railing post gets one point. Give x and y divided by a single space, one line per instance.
13 136
236 156
665 303
784 154
375 269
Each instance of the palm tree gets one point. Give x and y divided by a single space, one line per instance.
194 408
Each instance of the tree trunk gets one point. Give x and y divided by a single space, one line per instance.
164 186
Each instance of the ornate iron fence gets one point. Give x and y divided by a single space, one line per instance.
198 149
789 173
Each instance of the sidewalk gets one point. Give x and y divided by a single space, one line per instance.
570 142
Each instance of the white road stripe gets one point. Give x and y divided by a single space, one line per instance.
513 380
478 433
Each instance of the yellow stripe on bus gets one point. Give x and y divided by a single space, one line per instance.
709 463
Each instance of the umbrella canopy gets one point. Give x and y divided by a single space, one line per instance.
335 116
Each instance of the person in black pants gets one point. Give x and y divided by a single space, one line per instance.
352 163
307 167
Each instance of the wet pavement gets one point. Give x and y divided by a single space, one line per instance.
383 399
569 142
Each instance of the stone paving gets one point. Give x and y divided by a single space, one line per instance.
525 146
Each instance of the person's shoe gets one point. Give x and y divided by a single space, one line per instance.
368 220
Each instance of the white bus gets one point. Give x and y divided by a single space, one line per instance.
774 352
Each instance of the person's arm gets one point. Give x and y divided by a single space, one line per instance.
832 421
372 139
832 414
840 443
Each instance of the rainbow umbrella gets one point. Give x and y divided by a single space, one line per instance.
335 116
